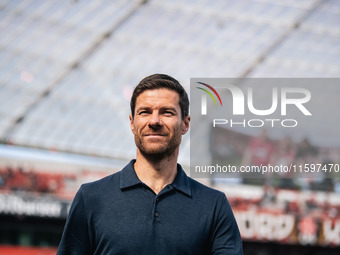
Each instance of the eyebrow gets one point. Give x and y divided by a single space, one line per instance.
162 108
169 108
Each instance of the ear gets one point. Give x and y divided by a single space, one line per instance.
131 124
185 125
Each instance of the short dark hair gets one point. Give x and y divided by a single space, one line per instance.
160 81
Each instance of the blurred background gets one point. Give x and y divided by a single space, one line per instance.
67 70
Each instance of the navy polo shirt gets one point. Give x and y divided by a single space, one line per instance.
121 215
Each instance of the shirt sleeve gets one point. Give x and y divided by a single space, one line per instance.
226 238
75 239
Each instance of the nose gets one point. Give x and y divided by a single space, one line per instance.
155 121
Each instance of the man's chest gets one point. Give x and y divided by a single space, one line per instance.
143 224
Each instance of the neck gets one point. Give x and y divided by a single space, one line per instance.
156 174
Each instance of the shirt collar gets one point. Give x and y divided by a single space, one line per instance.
181 181
129 178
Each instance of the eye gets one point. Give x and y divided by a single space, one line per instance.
143 112
169 113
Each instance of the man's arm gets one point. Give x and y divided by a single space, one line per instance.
75 239
226 238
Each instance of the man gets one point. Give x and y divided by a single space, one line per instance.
151 206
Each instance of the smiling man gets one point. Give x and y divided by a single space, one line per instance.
151 206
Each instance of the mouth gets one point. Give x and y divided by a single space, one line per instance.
154 135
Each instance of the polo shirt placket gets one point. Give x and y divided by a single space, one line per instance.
129 179
161 196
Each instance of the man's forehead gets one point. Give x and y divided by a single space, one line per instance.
158 95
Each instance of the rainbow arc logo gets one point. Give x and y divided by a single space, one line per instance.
204 98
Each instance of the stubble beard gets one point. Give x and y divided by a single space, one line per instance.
160 152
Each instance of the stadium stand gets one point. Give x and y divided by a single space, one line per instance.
71 84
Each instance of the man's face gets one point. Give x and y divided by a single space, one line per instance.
157 124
